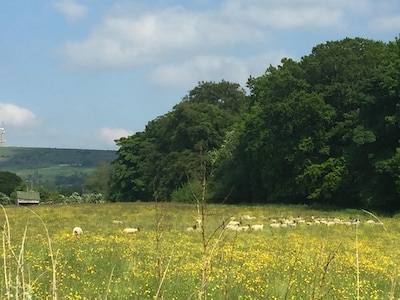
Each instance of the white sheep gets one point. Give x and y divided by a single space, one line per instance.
275 225
239 228
117 222
234 223
77 231
131 230
257 226
247 217
193 228
373 222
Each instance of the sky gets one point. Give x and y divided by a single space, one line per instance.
82 73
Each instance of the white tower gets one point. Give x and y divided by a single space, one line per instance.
2 135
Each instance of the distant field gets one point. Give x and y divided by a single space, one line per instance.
165 261
52 166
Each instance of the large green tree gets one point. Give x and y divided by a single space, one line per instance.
167 155
325 129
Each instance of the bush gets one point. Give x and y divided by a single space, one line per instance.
4 199
189 193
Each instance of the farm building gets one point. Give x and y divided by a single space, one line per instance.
26 198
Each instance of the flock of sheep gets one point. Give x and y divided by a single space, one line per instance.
238 225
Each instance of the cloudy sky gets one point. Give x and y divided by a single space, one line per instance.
80 74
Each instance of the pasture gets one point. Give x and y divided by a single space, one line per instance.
42 259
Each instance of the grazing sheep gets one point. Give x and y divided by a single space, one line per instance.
300 220
238 228
131 230
247 217
77 231
257 226
275 225
234 223
373 222
191 228
194 227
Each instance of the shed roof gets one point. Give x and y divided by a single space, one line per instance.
28 195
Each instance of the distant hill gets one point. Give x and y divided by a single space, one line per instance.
53 167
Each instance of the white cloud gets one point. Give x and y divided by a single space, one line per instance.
213 68
182 46
70 9
16 116
109 135
386 23
131 36
287 14
126 41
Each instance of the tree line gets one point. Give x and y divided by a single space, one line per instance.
323 130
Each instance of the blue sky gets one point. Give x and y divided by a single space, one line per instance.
80 74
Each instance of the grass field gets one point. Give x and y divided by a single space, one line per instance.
41 259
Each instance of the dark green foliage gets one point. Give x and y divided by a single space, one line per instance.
9 182
323 131
166 156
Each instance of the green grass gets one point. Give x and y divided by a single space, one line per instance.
306 262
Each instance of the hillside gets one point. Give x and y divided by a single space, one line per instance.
51 167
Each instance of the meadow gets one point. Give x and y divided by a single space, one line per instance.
42 259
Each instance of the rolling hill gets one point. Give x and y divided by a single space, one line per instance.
53 167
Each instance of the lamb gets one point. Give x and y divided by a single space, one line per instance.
131 230
77 231
257 227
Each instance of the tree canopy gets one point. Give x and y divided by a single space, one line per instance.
166 156
324 129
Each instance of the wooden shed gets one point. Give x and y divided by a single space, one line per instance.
27 198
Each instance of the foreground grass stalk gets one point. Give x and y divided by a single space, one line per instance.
52 258
322 280
393 279
6 238
20 267
109 283
158 294
204 275
159 252
291 275
357 266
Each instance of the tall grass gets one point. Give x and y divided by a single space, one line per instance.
43 260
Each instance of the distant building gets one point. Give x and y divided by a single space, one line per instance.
27 198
